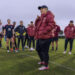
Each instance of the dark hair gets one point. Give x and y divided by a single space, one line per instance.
31 21
71 21
8 19
14 22
21 21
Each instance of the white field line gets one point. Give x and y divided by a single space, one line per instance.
63 66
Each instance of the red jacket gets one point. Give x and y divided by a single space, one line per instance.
69 31
56 31
44 26
31 31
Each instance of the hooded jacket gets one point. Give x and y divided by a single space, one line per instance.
44 25
69 31
31 30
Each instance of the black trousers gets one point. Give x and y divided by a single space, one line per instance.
26 40
42 47
31 41
15 43
68 41
22 41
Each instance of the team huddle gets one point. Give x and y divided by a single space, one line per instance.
44 31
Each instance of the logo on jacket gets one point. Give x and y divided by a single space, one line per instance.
72 29
44 19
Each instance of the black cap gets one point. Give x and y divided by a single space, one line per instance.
44 6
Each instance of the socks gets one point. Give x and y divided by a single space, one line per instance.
10 44
56 48
7 48
52 48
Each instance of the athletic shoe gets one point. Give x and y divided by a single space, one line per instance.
11 49
26 47
43 68
56 49
64 52
16 51
32 49
52 48
8 51
70 53
23 49
41 63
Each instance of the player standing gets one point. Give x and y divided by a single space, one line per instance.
26 40
55 31
9 33
21 32
15 38
31 33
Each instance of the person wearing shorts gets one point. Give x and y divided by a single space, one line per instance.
9 33
55 37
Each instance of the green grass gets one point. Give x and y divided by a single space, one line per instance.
25 63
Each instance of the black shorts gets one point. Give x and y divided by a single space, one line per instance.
1 35
9 36
54 39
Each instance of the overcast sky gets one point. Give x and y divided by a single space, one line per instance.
26 10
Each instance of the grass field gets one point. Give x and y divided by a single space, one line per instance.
25 63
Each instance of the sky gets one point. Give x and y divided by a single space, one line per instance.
26 10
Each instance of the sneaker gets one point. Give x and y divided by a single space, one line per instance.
52 48
31 49
11 49
23 49
56 49
16 51
43 68
8 51
64 52
26 47
70 53
41 63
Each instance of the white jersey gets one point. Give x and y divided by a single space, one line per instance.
0 28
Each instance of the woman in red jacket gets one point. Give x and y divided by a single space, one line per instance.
43 27
31 32
69 35
56 31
